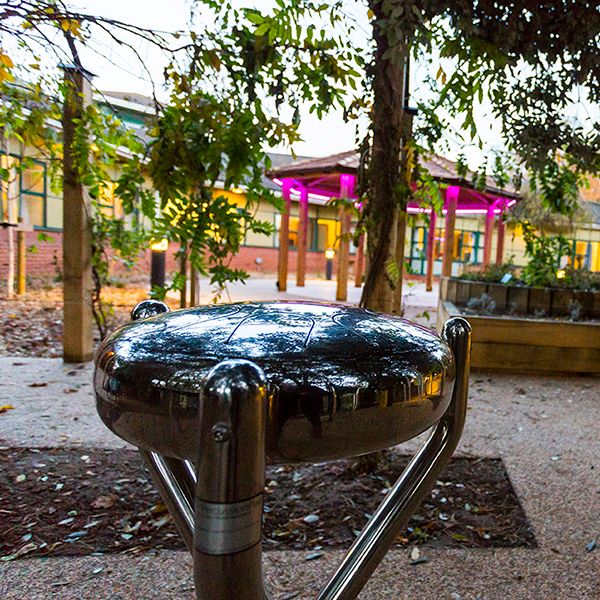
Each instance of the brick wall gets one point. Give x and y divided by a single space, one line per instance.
43 257
47 257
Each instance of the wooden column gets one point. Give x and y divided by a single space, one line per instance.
360 261
341 292
284 239
77 240
346 191
10 272
21 262
452 193
399 242
430 247
194 287
500 240
488 235
183 302
302 238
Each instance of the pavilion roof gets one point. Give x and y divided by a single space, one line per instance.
321 175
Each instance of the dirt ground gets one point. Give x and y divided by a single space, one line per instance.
103 501
32 324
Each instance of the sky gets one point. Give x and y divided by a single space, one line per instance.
116 69
120 71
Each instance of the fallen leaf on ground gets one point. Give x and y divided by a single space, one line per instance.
6 408
104 501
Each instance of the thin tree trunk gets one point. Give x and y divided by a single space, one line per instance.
183 269
388 183
387 192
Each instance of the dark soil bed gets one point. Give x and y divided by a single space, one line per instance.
76 501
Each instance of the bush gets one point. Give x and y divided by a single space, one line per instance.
544 253
578 279
484 305
493 273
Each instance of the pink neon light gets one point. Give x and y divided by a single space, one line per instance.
311 194
461 211
471 211
452 192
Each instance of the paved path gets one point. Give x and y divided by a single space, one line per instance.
547 430
419 304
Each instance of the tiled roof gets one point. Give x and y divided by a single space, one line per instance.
439 168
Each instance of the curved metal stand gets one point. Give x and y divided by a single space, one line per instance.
416 480
218 506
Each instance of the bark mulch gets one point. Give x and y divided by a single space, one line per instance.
57 502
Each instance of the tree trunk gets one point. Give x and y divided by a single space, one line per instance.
387 190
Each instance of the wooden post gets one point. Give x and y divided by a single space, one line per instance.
430 248
10 275
284 238
452 193
21 262
302 238
194 287
183 303
77 235
346 191
360 261
341 292
399 241
500 240
487 240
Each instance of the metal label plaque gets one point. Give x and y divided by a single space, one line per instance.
227 528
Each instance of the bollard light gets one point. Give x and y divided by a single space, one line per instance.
329 256
158 262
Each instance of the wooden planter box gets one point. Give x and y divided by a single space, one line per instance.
529 345
523 300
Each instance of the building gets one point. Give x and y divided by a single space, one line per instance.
31 200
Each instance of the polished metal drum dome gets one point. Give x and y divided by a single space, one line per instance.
342 381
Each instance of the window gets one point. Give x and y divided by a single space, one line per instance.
24 193
32 208
109 203
10 188
467 247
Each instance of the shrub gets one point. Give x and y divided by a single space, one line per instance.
484 305
544 253
493 273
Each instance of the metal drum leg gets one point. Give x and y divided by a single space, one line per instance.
176 481
230 484
416 480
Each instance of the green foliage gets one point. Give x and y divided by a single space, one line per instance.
544 253
492 273
222 117
524 63
484 305
578 279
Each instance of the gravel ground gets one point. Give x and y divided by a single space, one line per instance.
547 430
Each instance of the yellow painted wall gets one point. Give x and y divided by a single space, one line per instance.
514 244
